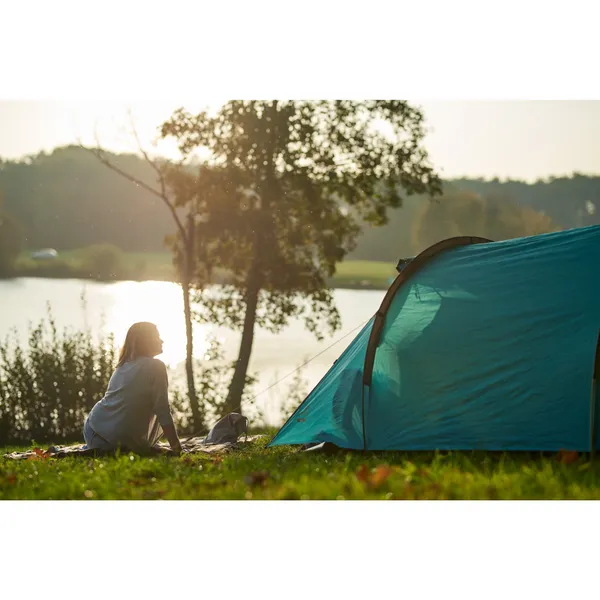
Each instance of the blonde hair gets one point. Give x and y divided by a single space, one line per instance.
135 340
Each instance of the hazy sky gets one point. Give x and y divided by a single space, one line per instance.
517 139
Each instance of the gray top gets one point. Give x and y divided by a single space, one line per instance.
135 404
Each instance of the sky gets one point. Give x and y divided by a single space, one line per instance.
525 140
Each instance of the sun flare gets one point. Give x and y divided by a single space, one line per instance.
160 303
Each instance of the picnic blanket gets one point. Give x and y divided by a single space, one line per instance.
193 445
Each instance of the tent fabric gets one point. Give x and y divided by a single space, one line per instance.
488 347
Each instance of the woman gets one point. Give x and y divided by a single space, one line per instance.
136 404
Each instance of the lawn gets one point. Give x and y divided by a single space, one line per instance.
256 472
350 274
364 273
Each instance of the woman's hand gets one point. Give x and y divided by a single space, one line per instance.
173 438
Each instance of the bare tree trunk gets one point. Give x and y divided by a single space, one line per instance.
238 381
186 277
189 352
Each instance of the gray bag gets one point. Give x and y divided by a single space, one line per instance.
228 429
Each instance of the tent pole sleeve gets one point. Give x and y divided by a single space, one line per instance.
593 394
413 267
364 429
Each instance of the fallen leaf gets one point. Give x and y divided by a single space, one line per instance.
375 478
12 478
34 457
38 454
257 478
382 472
363 473
566 457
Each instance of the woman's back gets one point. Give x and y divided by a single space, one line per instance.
135 403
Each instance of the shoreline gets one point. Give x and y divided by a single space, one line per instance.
333 284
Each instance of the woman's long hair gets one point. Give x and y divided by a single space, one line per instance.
135 341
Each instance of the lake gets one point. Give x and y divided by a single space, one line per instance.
113 307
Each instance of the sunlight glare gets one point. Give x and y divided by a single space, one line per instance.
161 303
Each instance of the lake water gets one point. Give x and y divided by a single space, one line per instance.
113 307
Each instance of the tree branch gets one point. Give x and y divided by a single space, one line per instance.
159 173
99 153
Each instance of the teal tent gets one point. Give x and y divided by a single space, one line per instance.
477 345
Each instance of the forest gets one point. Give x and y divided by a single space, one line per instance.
67 199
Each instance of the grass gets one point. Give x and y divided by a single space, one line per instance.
364 273
158 266
256 472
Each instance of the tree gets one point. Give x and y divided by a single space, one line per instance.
182 246
11 242
465 213
284 186
67 199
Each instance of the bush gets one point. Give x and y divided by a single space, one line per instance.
48 387
102 261
56 268
212 377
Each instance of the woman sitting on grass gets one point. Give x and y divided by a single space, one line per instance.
136 404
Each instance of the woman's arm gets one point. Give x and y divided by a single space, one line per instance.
163 409
172 437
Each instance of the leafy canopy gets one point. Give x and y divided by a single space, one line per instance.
282 188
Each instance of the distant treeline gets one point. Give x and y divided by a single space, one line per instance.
67 200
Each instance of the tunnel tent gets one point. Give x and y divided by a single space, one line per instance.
477 345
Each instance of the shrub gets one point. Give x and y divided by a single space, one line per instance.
48 387
102 261
212 377
57 268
